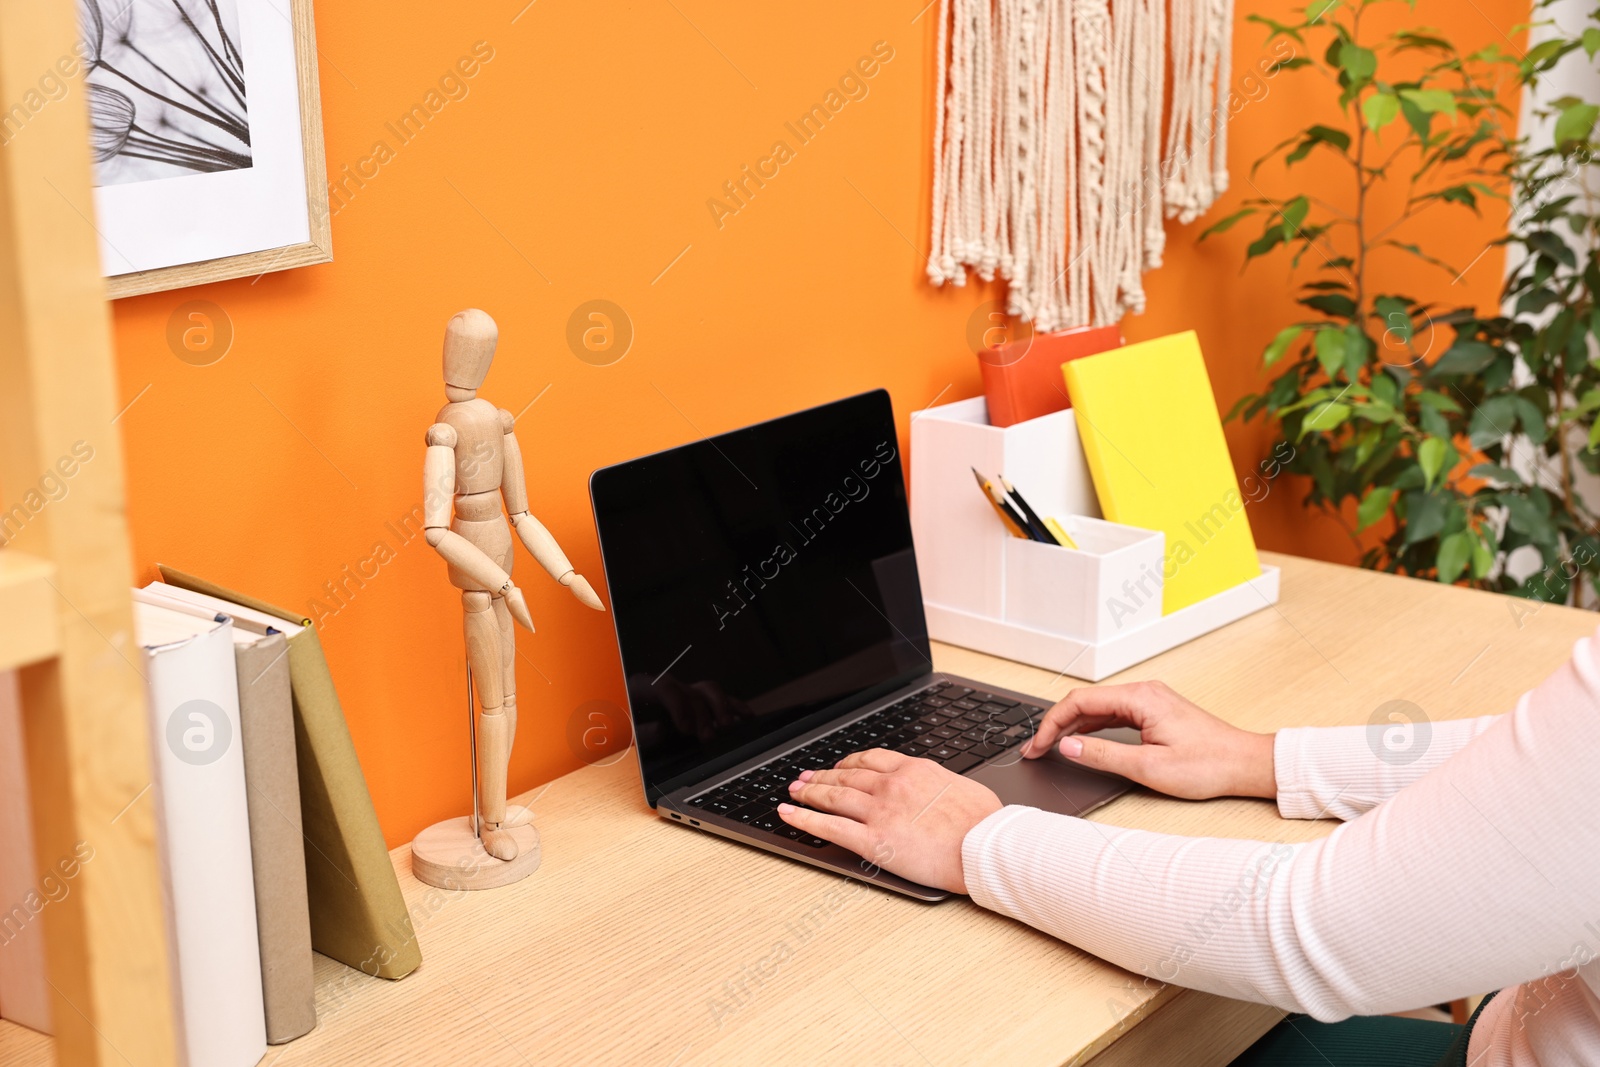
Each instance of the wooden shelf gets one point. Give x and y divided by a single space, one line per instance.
30 628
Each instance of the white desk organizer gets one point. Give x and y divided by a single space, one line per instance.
1088 612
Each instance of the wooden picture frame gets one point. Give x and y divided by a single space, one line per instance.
319 248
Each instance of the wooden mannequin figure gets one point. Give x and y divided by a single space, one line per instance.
473 463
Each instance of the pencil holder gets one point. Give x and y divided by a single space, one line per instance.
1089 611
1109 584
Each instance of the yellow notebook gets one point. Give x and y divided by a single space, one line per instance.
1153 439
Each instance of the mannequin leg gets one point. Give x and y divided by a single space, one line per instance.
483 652
516 814
508 669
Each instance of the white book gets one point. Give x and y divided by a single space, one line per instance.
203 827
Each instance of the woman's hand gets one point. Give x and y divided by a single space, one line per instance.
1187 751
906 815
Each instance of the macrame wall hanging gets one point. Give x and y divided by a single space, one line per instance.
1050 164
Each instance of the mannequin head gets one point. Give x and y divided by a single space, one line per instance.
469 341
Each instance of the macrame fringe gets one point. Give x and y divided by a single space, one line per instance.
1050 167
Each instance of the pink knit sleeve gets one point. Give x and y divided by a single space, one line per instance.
1477 875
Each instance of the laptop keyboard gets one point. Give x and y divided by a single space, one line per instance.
948 723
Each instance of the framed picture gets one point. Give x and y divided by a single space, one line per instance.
206 128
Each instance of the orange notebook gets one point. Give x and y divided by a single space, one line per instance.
1022 379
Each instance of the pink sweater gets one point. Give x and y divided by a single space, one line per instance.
1472 868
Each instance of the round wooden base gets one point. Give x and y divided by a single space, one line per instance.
448 855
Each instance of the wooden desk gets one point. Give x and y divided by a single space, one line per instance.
644 942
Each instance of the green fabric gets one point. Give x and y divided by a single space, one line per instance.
1363 1041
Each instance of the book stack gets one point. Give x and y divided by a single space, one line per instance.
268 842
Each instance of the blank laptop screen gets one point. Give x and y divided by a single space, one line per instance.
761 581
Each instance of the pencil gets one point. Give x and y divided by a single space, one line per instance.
1013 522
1040 531
1059 532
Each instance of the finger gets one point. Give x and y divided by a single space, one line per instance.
841 800
519 608
586 594
873 759
1130 761
1109 705
858 778
846 832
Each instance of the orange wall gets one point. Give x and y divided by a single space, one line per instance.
578 166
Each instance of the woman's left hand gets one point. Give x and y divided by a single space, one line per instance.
906 815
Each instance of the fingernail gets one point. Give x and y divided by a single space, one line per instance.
795 785
805 776
1072 747
785 809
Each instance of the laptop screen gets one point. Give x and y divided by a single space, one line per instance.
761 581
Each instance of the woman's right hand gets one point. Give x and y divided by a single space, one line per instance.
1187 751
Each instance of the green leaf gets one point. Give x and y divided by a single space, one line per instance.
1327 417
1532 419
1425 515
1430 455
1464 357
1336 305
1433 423
1548 243
1420 121
1482 558
1438 401
1594 435
1591 41
1410 39
1318 8
1420 254
1330 348
1293 214
1543 55
1454 551
1358 63
1278 29
1574 124
1329 136
1374 506
1491 420
1224 225
1270 238
1496 473
1524 516
1433 101
1379 110
1280 344
1385 389
1395 315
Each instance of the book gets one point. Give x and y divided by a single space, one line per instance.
1022 379
1153 440
25 890
358 916
203 833
277 849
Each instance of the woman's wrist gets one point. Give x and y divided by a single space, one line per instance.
1257 773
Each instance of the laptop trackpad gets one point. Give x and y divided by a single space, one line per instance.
1050 783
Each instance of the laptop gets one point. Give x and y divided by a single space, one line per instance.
764 589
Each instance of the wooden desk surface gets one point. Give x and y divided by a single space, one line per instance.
644 942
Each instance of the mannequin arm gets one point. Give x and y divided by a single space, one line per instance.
537 539
439 484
